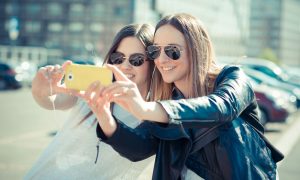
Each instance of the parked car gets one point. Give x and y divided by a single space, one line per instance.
293 73
8 77
275 105
267 67
262 78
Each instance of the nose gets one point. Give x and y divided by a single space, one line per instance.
125 65
162 58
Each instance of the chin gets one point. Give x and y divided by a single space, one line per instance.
168 80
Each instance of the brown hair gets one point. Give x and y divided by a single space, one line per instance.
203 69
144 32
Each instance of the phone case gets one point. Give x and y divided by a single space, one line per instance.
79 77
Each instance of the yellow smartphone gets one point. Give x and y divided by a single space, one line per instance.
79 77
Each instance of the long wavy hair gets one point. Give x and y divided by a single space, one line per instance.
203 69
144 32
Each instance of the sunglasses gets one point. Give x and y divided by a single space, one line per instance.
172 51
136 59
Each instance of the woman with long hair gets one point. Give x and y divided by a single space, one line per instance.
203 122
73 153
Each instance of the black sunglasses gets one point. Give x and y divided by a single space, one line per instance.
136 59
172 51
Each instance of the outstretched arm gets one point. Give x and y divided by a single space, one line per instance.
233 93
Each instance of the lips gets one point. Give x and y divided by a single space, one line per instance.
129 76
168 68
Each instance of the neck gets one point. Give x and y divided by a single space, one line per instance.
144 91
184 85
183 88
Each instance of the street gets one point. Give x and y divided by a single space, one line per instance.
26 129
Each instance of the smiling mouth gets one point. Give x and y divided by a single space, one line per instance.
129 76
168 68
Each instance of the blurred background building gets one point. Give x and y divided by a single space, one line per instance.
49 31
69 29
275 29
227 21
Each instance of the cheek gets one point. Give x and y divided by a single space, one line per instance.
184 56
185 61
143 72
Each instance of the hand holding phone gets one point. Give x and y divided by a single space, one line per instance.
79 77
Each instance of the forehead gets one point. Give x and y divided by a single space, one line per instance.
168 34
131 45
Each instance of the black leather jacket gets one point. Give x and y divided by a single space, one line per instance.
217 136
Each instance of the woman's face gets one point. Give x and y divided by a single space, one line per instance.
137 74
172 71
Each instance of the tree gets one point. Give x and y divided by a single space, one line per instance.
270 55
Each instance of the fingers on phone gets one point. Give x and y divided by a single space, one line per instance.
93 95
119 75
49 71
90 92
118 87
65 64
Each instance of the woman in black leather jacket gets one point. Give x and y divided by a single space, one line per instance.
210 127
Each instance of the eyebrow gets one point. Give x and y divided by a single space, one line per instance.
131 53
168 44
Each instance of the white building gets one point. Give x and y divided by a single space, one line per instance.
227 21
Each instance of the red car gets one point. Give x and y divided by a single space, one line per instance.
275 105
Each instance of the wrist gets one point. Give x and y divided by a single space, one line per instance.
153 111
147 111
108 125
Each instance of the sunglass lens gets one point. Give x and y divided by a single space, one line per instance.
153 52
136 59
116 58
172 52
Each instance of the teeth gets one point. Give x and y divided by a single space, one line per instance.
129 75
168 68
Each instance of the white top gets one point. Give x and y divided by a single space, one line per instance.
72 153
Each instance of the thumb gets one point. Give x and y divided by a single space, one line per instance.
118 74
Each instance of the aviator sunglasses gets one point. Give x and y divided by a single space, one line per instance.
172 51
136 59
